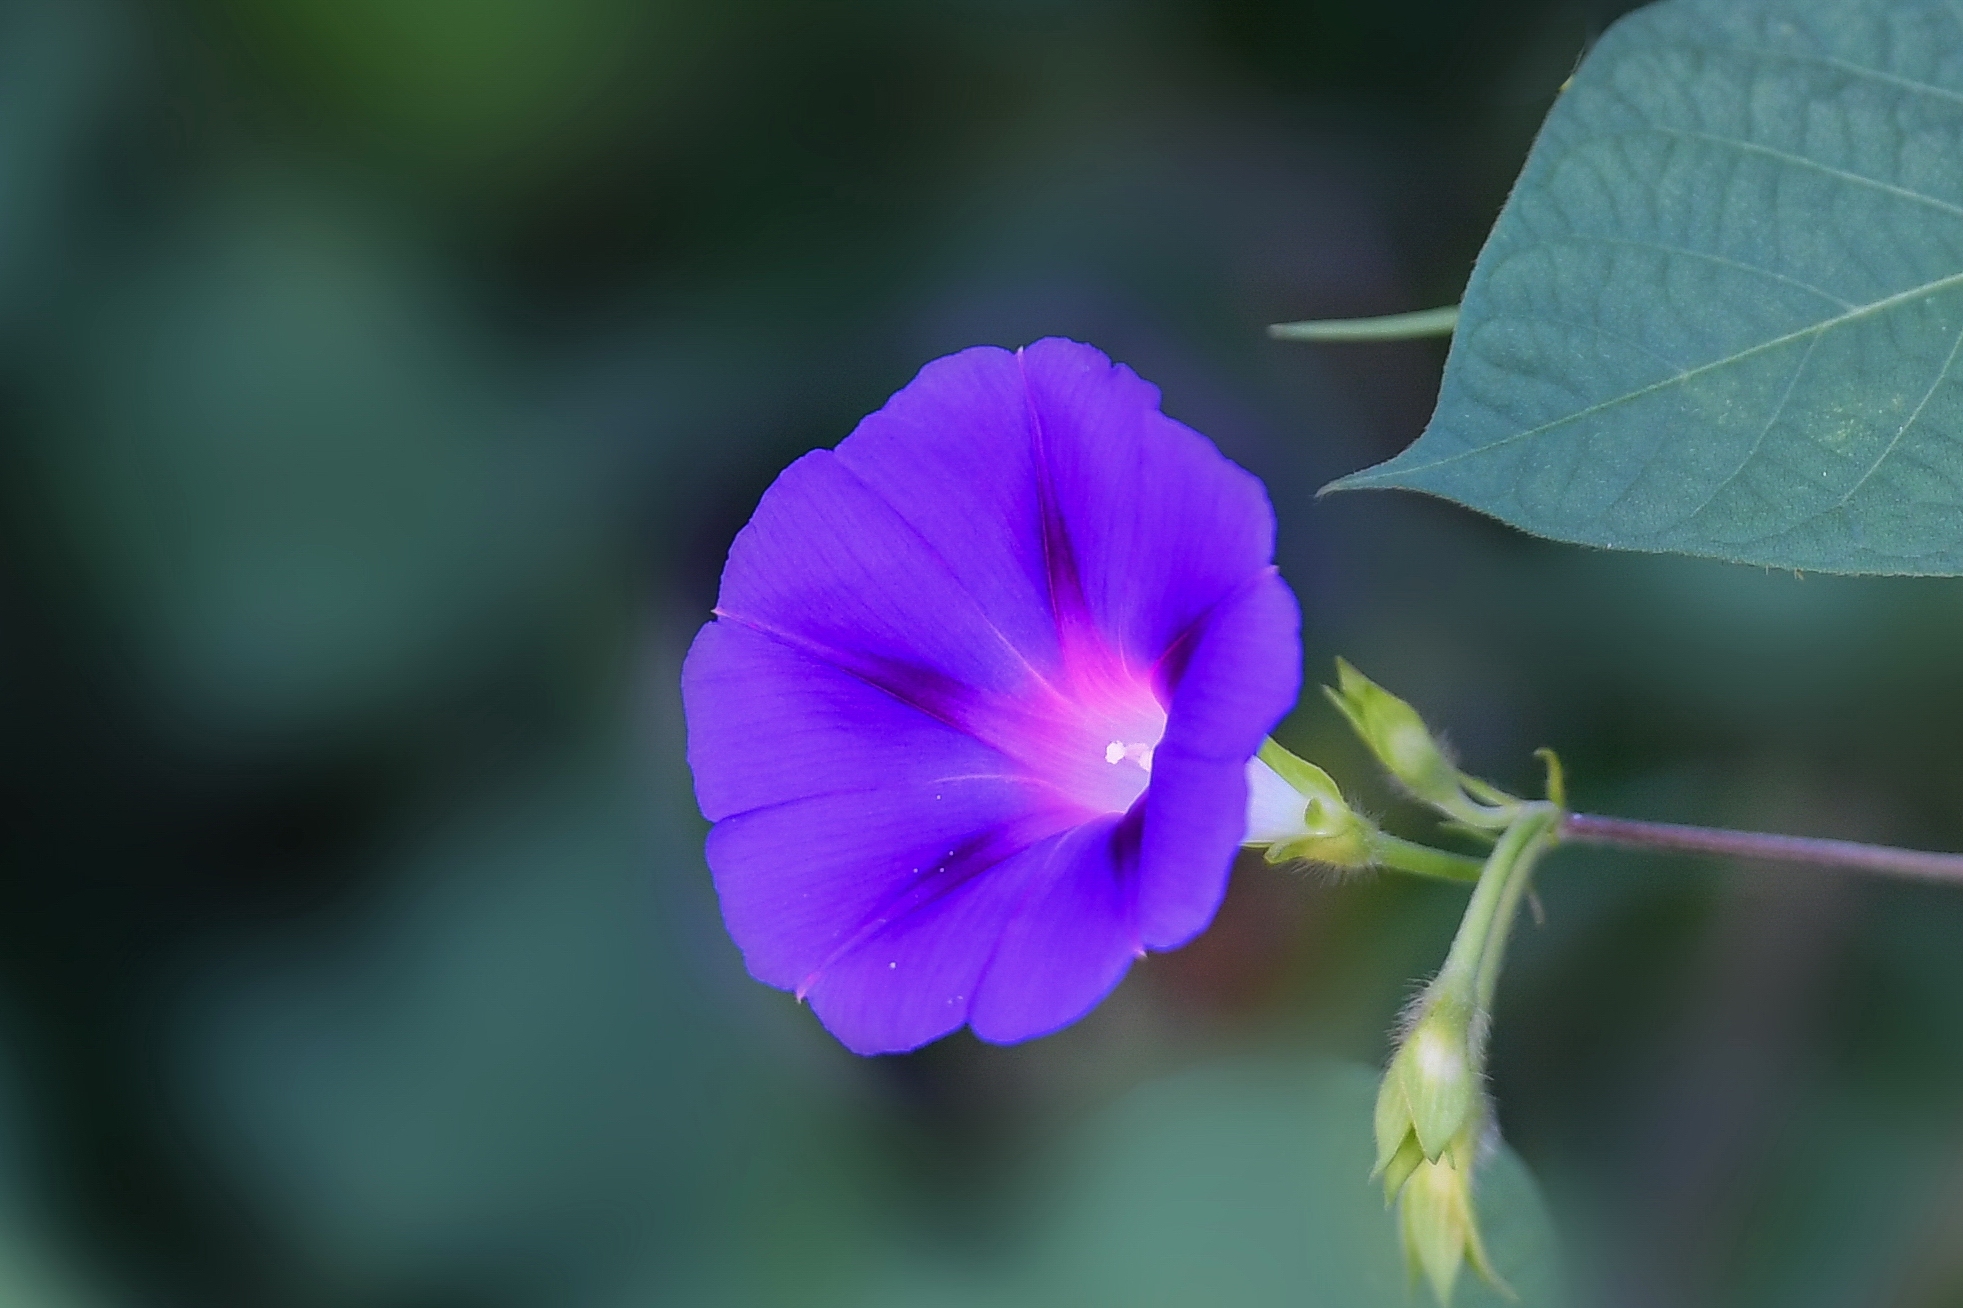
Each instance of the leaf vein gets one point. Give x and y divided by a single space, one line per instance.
1742 266
1758 442
1824 325
1845 66
1942 374
1576 324
1801 161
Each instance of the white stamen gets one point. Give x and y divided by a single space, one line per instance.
1115 752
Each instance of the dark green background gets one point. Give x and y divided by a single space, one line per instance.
380 385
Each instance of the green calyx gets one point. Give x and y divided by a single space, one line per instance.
1329 831
1405 746
1439 1225
1437 1070
1321 827
1432 1188
1325 829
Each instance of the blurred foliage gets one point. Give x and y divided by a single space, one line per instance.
1237 1183
295 478
466 88
380 386
60 71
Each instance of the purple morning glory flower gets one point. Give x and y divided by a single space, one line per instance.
975 716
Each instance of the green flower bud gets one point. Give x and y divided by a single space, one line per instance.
1440 1224
1431 1108
1440 1083
1399 739
1430 1118
1433 1088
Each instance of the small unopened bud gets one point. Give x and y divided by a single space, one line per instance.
1398 737
1431 1121
1433 1086
1440 1224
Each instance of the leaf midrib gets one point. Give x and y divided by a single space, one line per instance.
1825 325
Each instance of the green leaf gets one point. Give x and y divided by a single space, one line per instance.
1722 313
1248 1183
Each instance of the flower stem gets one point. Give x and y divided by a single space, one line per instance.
1481 940
1390 327
1668 837
1538 828
1390 851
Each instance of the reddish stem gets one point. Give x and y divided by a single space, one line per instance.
1668 837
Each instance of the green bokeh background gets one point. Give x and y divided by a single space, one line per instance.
381 382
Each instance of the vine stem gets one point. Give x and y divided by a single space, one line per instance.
1390 327
1669 837
1387 850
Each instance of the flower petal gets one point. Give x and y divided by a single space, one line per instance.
953 454
914 978
1161 525
947 657
1242 676
769 723
829 566
1072 937
803 883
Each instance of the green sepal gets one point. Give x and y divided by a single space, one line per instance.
1396 735
1332 833
1440 1224
1397 1169
1345 843
1309 781
1393 1121
1437 1076
1432 1221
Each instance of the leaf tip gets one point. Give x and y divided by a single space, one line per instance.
1365 479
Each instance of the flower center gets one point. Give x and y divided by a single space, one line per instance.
1103 759
1093 731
